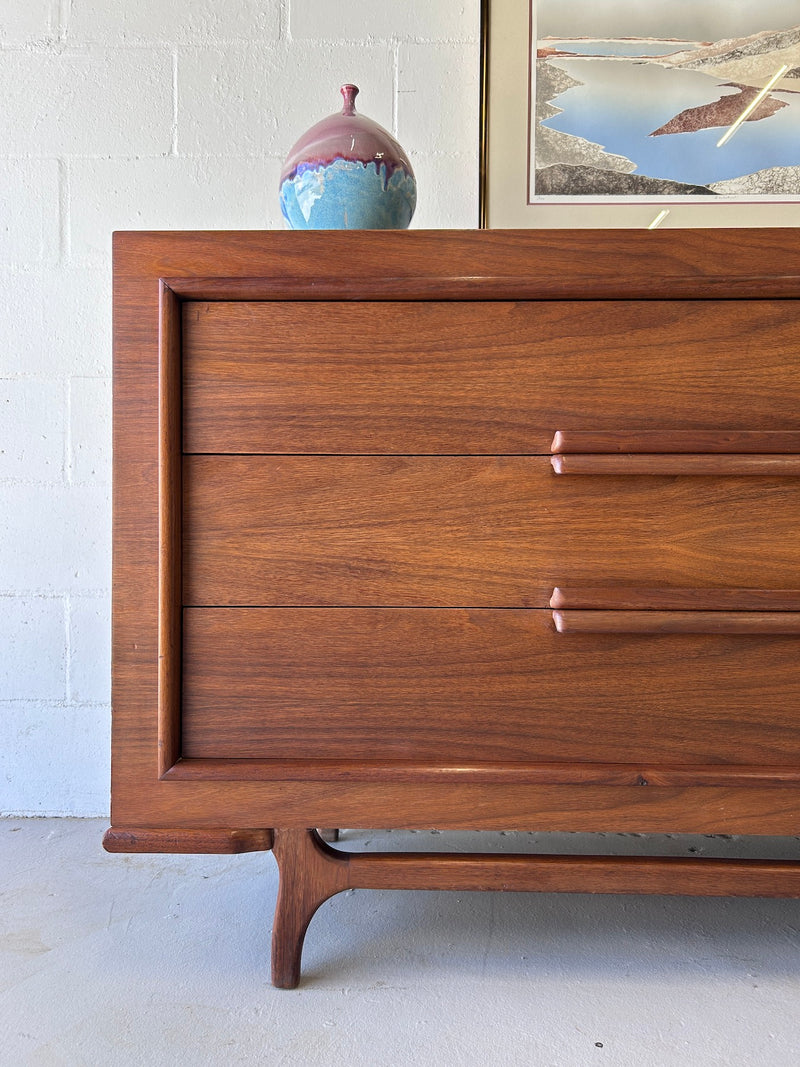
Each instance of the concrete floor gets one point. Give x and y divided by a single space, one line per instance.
152 960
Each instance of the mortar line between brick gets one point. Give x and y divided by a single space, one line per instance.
63 12
67 647
49 702
174 145
64 208
39 594
396 85
67 475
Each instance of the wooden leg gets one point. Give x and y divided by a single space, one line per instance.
310 873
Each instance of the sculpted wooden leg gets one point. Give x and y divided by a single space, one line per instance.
310 873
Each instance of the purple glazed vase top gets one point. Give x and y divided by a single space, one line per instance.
347 172
346 135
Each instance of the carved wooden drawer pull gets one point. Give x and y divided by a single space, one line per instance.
700 452
730 441
677 622
676 611
666 598
653 463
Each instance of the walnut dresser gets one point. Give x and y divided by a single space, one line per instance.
467 530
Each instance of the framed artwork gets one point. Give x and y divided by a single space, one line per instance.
632 113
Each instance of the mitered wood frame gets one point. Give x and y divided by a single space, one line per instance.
170 513
153 787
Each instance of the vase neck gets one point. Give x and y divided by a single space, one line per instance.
349 93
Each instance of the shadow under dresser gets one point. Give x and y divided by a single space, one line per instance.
459 530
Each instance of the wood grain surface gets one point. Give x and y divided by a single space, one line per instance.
193 842
456 377
655 776
462 530
451 684
468 264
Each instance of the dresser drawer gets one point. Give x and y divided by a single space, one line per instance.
460 685
467 530
483 377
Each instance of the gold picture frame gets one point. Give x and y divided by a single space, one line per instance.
508 70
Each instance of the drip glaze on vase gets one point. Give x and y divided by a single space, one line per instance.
347 173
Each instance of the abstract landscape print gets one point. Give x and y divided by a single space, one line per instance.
673 100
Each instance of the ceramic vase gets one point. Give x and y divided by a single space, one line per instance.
347 173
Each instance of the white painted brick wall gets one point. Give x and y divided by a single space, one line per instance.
33 639
89 458
24 22
139 115
32 430
92 102
361 20
30 232
89 649
168 193
151 21
251 100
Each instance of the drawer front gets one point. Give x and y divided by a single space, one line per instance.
472 531
452 685
489 377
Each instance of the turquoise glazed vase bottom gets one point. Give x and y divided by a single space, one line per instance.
347 173
348 195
